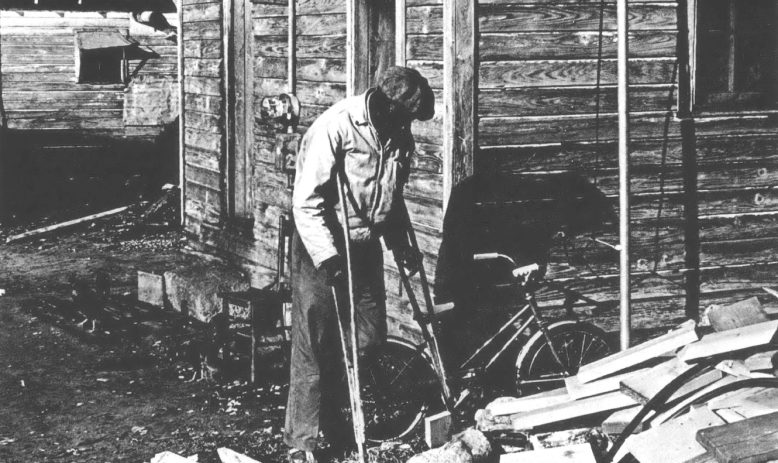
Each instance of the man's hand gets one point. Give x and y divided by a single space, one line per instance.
335 270
410 259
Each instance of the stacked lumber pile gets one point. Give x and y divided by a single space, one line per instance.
696 394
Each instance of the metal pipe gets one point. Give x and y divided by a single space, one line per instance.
623 109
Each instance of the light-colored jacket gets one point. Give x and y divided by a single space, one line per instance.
344 138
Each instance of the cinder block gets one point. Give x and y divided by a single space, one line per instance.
151 288
192 288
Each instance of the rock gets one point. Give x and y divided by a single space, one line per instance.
194 287
469 446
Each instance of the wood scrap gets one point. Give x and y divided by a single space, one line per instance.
761 361
675 438
230 456
644 386
437 429
571 410
580 453
738 368
549 440
726 342
618 421
510 405
40 231
754 440
725 382
578 390
683 335
737 315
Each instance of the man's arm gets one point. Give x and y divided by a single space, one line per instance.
315 192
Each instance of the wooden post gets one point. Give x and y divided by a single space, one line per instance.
623 109
242 94
181 115
459 90
253 357
228 92
686 23
291 86
357 47
399 32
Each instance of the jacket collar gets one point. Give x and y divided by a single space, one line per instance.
362 116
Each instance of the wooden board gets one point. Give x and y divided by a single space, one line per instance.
754 440
725 342
572 410
762 361
676 439
634 356
738 315
645 386
529 403
580 453
578 390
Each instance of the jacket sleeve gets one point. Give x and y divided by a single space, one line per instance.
315 192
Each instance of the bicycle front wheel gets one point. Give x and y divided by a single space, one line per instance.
398 387
577 343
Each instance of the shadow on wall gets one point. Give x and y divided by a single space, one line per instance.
60 171
517 215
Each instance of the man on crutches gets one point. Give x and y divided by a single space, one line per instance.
358 150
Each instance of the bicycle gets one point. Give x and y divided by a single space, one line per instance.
406 378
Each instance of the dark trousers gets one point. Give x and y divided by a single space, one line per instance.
317 358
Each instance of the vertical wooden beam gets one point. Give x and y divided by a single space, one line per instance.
357 47
687 20
400 29
291 86
181 115
242 101
624 161
459 91
228 89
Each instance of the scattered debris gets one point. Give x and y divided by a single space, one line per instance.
710 398
469 446
229 456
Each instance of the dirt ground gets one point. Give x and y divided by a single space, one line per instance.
120 395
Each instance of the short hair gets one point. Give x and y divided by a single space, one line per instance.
408 89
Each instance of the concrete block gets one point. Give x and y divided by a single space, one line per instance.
193 289
151 288
437 429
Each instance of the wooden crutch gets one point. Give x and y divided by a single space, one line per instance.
352 367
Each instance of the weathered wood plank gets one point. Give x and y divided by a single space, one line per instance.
68 68
203 103
432 70
9 23
638 354
202 85
320 93
203 30
208 49
524 17
328 24
749 441
761 334
268 87
203 67
202 12
573 45
307 46
49 77
204 122
211 142
572 72
545 101
261 10
57 123
424 19
578 453
306 7
675 438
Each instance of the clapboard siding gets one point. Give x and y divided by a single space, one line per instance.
37 59
204 103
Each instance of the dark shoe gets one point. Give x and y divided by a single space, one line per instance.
301 456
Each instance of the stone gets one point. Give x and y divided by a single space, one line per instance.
192 289
469 446
151 288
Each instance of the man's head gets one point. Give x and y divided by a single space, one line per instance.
408 92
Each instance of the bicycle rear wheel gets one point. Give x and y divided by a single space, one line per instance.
577 343
398 387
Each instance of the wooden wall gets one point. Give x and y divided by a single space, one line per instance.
64 132
204 107
546 104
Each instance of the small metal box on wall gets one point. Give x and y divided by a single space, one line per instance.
283 112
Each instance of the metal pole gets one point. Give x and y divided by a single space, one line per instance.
623 101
